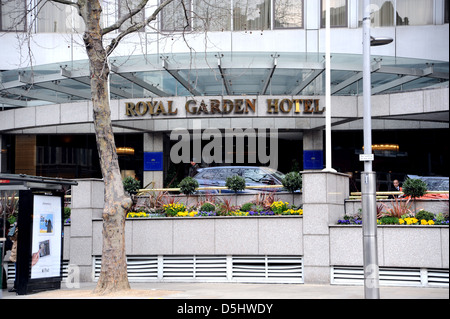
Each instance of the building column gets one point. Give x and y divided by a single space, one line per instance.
153 142
88 199
313 149
323 204
25 157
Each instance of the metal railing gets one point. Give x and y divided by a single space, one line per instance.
218 188
385 195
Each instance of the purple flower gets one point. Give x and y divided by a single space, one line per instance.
202 213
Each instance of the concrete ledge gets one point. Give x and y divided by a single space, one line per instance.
398 246
209 236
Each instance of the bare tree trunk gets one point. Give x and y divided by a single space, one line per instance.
113 276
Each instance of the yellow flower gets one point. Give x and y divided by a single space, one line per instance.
431 222
410 220
192 214
423 222
182 214
401 221
238 213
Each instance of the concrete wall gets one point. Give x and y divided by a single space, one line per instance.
398 246
323 203
77 117
87 204
209 236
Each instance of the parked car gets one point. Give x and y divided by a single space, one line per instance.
253 175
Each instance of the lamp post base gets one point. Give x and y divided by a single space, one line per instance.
370 251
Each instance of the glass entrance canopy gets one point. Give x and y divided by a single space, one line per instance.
216 74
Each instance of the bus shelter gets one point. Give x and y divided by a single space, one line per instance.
40 229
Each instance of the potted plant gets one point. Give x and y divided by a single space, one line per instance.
292 182
130 184
415 188
187 186
235 183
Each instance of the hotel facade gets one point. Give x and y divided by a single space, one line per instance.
259 66
258 72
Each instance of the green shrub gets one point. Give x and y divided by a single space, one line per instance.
414 187
292 181
188 185
130 184
389 220
423 214
246 207
441 219
235 183
67 212
207 207
251 207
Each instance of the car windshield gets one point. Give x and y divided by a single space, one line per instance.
223 173
262 175
278 175
206 174
434 183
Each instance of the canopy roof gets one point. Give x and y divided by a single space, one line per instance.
215 74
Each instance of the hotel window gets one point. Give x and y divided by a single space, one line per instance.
176 16
414 12
12 15
382 13
399 12
338 13
251 15
124 8
288 14
212 15
59 18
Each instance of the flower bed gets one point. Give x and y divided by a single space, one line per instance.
419 218
225 208
143 214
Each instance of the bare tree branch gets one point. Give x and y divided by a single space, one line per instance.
70 3
133 28
125 17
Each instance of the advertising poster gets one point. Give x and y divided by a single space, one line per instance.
46 240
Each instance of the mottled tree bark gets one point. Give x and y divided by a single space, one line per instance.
113 276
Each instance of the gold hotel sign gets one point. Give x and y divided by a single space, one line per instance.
224 106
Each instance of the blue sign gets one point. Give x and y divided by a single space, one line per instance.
313 159
153 161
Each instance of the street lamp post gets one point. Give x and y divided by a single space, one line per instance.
328 87
368 185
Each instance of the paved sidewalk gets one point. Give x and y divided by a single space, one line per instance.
236 291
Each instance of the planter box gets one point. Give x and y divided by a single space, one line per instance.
398 246
435 206
210 236
236 199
